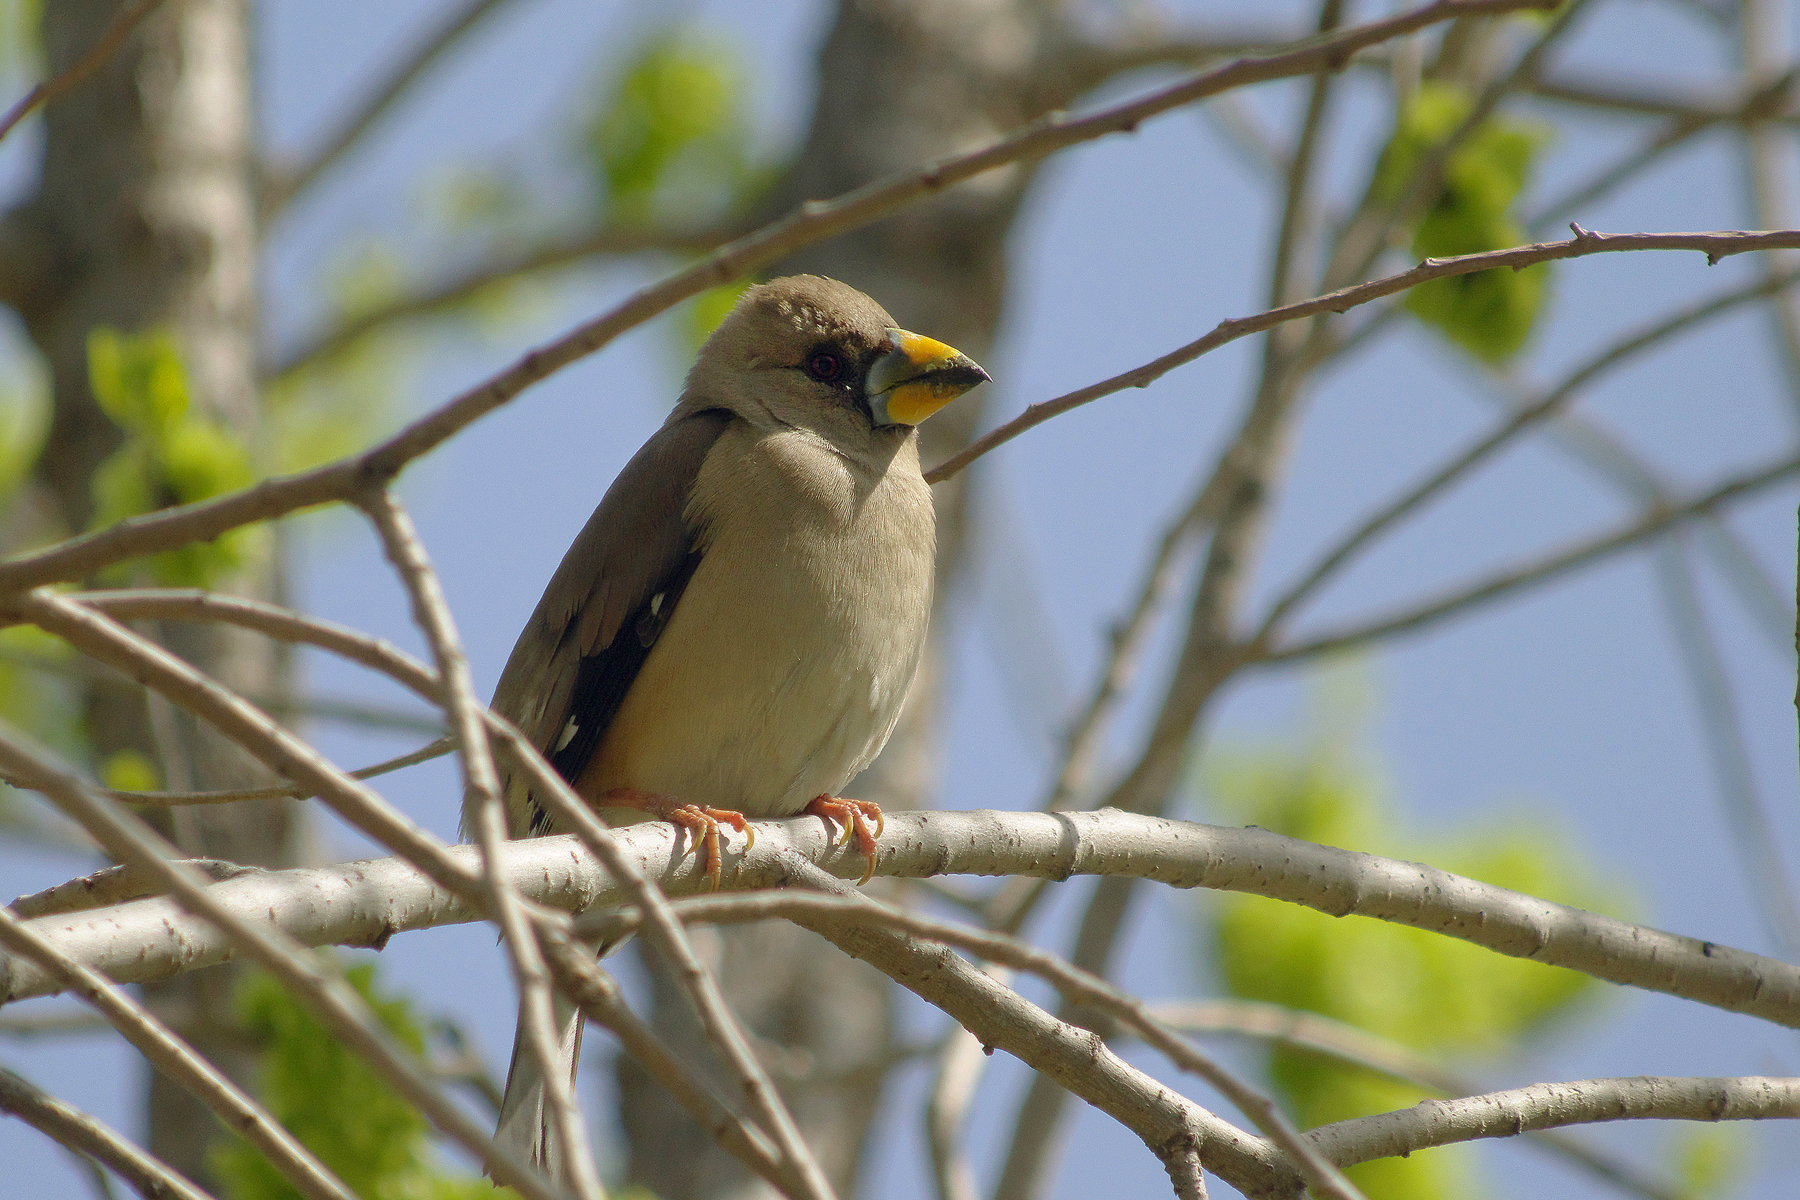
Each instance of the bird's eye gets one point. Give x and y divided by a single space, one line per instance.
824 366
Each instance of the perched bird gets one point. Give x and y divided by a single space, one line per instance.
735 629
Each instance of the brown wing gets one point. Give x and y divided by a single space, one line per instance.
603 609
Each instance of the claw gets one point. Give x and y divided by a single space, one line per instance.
854 816
701 822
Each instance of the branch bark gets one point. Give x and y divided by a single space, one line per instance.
366 903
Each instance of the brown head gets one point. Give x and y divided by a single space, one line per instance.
811 353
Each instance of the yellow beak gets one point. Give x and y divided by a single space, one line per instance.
917 377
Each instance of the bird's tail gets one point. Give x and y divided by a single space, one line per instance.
526 1130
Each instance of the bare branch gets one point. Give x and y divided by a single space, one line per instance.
1076 1058
509 265
426 753
1631 97
286 183
1358 1047
111 38
1080 987
814 221
1714 245
87 1135
1523 418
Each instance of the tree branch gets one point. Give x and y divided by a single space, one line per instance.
338 1007
1715 246
364 904
90 1136
1550 1105
481 787
1525 417
814 221
456 289
180 1062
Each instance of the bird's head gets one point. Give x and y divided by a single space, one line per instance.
817 354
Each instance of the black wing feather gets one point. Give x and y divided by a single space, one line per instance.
599 617
603 679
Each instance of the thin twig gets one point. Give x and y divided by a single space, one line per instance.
1522 419
423 754
508 265
481 782
111 38
814 221
180 1062
86 1134
1580 554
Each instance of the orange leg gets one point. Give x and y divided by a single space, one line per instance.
854 816
701 822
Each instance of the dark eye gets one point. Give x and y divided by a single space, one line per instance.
824 366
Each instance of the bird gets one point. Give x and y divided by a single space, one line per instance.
734 631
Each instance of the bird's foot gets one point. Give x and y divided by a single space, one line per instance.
854 816
701 821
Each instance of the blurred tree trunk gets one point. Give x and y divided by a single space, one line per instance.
899 83
145 217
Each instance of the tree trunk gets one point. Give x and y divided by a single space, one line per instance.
145 218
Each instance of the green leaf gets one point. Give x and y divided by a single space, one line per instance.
130 771
138 379
172 454
1710 1161
670 136
1491 313
340 1110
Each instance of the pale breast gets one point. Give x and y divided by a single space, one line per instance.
784 668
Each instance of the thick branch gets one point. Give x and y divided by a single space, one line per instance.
1549 1105
364 904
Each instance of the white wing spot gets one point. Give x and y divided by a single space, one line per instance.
656 604
568 734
